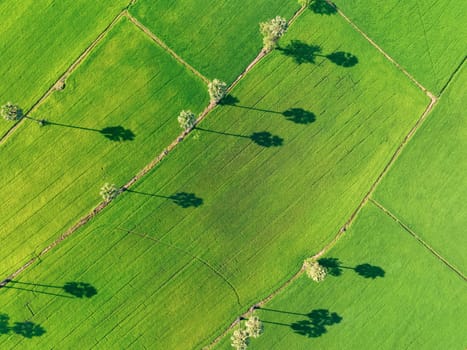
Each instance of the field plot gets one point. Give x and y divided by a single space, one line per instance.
219 38
40 39
273 175
425 37
117 112
384 291
427 187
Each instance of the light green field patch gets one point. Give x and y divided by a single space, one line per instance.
219 38
386 291
425 37
116 114
40 39
427 188
271 179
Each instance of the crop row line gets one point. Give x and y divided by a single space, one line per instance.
418 238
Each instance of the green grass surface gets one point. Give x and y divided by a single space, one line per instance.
40 39
219 38
51 175
427 187
255 211
414 301
425 37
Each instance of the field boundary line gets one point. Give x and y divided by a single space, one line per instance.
67 73
384 53
195 257
152 164
163 45
418 238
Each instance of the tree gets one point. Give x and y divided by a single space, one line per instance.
314 270
254 327
272 31
11 112
239 339
109 192
186 119
217 90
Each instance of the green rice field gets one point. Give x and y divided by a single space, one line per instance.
324 145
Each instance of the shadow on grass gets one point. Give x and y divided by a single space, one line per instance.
302 52
75 289
323 7
313 326
263 138
27 329
335 268
182 199
296 115
112 133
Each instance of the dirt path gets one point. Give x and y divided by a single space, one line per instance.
418 238
159 42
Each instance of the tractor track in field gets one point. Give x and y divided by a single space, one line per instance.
67 73
195 257
418 238
101 206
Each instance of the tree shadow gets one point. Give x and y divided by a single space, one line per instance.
186 200
344 59
117 133
296 115
80 289
266 139
299 116
263 138
182 199
76 289
113 133
314 325
369 271
334 267
26 329
302 52
323 7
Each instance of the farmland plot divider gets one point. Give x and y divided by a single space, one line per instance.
418 238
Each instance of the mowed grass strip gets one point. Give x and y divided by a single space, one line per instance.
384 291
425 37
39 40
117 113
427 187
218 38
270 179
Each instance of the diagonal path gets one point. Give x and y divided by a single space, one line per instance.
418 238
